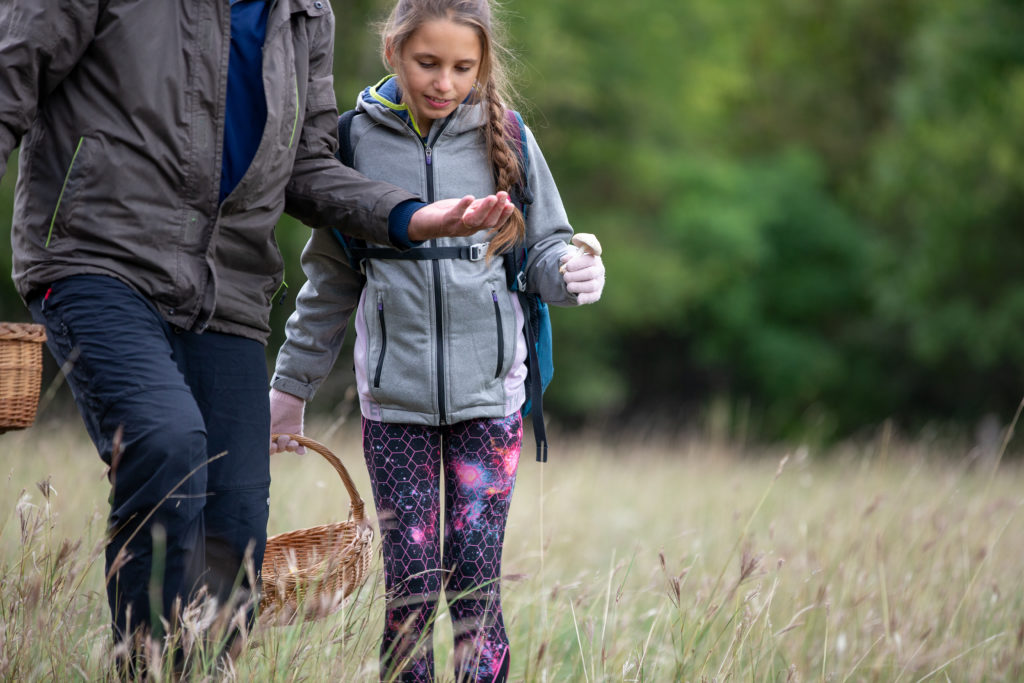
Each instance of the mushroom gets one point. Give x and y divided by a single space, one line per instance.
583 242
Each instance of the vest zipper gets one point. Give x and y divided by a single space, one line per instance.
442 394
442 414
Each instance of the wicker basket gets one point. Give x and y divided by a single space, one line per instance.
21 368
315 569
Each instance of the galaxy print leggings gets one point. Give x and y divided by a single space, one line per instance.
479 459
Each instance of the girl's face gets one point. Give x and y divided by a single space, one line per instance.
437 68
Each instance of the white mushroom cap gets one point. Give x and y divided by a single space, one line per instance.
587 242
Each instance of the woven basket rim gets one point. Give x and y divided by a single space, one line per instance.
340 555
316 527
29 332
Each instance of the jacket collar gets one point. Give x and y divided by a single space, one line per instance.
384 101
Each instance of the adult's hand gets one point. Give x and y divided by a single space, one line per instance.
286 413
459 217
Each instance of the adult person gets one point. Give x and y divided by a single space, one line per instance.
160 143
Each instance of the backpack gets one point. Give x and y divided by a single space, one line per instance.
540 359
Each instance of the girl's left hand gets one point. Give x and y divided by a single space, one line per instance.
584 275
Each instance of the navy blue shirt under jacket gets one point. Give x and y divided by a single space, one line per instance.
246 107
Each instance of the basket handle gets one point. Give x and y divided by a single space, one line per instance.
357 503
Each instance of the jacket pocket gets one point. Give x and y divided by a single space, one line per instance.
64 205
500 335
383 343
313 8
401 345
295 116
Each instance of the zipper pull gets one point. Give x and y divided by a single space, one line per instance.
427 151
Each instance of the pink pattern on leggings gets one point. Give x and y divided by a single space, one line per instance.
479 460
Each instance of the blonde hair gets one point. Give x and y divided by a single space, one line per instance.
492 89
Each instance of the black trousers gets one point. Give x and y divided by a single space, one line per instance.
182 420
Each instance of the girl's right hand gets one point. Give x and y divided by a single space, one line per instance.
286 413
583 269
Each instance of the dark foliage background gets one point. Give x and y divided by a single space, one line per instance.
812 210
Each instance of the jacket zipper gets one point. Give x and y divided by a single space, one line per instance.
438 303
442 400
501 335
383 344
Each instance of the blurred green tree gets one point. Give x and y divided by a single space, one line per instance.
946 188
811 209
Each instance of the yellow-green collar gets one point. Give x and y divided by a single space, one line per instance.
392 105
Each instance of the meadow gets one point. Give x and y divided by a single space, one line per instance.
647 557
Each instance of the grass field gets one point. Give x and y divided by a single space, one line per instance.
643 559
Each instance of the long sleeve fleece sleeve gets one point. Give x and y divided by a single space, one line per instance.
323 192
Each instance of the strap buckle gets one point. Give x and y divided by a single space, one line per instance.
478 251
521 281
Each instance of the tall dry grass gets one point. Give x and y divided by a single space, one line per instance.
634 559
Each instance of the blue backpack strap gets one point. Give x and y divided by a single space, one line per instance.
538 327
522 196
346 155
347 246
534 384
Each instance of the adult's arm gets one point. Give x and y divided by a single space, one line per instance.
322 192
40 42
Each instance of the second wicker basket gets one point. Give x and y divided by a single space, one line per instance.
311 571
21 368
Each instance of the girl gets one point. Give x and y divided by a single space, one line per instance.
440 345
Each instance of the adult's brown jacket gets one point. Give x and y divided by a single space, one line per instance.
119 109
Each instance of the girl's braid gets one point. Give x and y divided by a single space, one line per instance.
507 170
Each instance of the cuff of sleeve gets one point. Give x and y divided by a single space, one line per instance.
398 223
293 387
